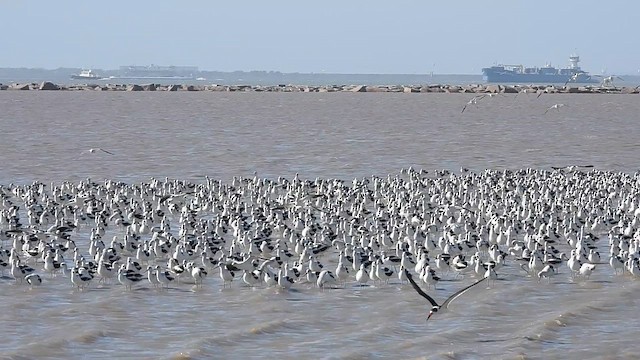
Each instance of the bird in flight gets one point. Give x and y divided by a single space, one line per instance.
608 80
556 106
435 306
93 150
573 78
474 101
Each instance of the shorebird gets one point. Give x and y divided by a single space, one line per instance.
435 306
33 280
546 272
556 106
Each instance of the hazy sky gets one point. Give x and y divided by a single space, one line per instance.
337 36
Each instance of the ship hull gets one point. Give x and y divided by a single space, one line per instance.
535 78
78 77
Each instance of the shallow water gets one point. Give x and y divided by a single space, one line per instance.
221 135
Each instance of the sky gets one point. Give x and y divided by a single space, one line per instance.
315 36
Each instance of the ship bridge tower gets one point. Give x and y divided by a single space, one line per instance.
573 62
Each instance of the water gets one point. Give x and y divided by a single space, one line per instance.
188 136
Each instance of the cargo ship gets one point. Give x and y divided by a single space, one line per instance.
546 74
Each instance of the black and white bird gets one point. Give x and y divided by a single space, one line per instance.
435 306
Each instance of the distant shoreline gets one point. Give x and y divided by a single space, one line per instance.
426 88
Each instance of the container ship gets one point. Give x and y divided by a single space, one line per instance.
547 74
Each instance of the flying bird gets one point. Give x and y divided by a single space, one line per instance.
573 78
93 150
474 101
556 106
435 307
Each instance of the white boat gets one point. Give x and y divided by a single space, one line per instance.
86 75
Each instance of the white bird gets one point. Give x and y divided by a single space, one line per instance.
165 277
430 277
608 80
93 150
556 106
251 278
546 272
128 277
616 263
284 281
573 78
80 278
197 273
226 275
474 101
586 269
19 272
152 277
490 274
594 256
325 278
362 276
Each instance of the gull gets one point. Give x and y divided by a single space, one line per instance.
435 307
474 100
573 78
95 150
608 80
556 106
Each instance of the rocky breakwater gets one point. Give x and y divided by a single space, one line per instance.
426 88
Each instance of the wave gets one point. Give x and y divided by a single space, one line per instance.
207 346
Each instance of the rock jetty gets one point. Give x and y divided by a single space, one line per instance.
426 88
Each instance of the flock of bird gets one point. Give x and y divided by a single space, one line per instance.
417 226
474 101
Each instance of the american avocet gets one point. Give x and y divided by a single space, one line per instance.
152 277
325 278
586 269
164 277
284 281
197 273
362 276
128 277
490 273
251 278
19 272
435 306
80 278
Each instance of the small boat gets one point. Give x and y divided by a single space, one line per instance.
86 75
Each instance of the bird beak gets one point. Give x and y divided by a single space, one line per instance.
429 317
